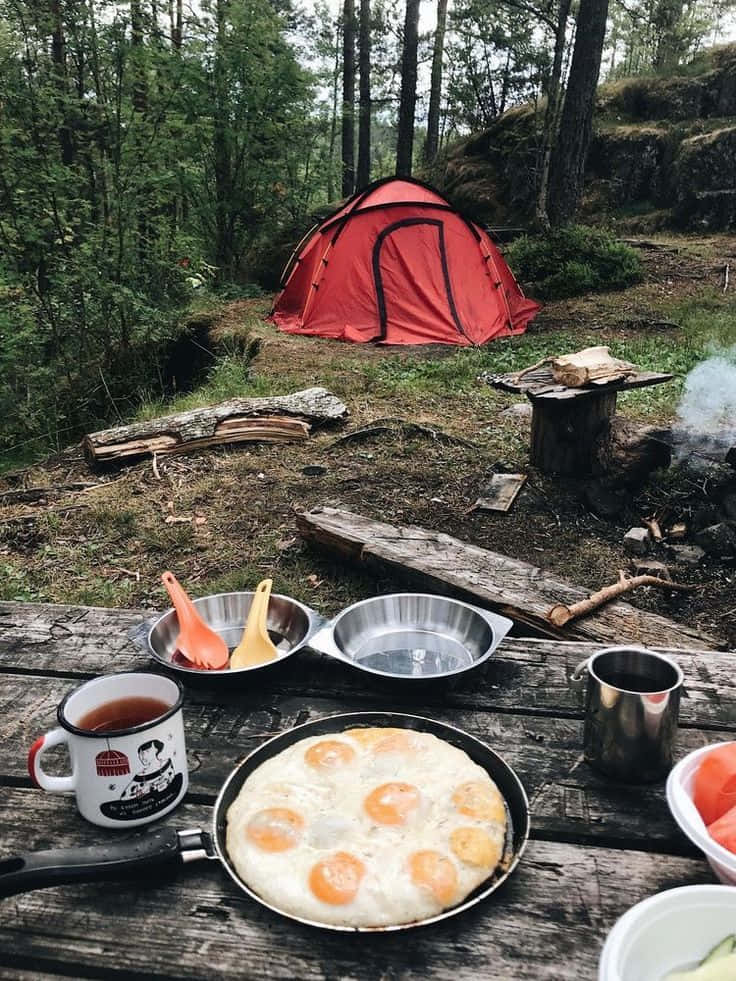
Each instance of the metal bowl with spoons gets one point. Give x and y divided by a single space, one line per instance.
404 638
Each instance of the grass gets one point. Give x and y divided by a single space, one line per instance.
706 323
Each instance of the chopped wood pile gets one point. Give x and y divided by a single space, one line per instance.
276 419
591 366
519 590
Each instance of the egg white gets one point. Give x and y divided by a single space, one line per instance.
330 800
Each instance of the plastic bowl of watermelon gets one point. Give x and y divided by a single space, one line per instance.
720 799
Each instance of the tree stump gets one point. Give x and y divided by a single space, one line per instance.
567 431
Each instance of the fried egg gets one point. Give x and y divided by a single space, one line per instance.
367 827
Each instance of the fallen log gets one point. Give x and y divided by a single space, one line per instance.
279 418
561 614
525 593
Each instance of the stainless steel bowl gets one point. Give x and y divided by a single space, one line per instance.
412 636
290 624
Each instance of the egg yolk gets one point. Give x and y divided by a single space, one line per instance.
479 800
328 754
370 735
336 879
391 802
436 873
398 742
475 847
275 829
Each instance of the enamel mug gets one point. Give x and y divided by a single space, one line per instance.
123 777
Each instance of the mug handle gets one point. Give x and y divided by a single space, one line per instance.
54 785
577 678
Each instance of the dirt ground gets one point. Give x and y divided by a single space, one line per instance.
224 519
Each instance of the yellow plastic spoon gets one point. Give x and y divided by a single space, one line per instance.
256 647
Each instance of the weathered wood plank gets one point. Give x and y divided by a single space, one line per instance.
548 922
541 382
525 675
516 589
568 799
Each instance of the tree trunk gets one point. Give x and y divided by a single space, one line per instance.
435 92
333 122
140 90
348 97
407 103
551 116
221 151
58 58
364 115
440 564
667 17
177 32
565 434
140 108
576 124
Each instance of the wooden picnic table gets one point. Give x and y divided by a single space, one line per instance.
569 423
597 847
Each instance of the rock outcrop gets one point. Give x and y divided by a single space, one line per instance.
663 149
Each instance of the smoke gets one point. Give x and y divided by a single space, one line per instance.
708 404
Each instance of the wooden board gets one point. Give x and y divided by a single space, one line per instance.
545 924
540 383
500 492
516 589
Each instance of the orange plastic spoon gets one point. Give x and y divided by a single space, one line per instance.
196 641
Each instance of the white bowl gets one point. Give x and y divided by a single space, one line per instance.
671 931
680 798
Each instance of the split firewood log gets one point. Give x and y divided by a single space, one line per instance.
279 418
560 614
591 366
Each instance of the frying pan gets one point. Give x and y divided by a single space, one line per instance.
167 848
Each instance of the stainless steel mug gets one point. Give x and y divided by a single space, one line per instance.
632 701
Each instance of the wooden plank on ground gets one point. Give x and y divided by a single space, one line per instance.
500 492
547 923
511 587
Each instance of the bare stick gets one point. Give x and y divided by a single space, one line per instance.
654 529
726 275
532 367
560 614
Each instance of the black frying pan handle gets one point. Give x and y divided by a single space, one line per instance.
129 858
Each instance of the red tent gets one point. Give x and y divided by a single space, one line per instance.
398 264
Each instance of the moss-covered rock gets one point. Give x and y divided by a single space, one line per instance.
659 144
706 180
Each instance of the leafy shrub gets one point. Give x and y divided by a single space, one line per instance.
573 260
